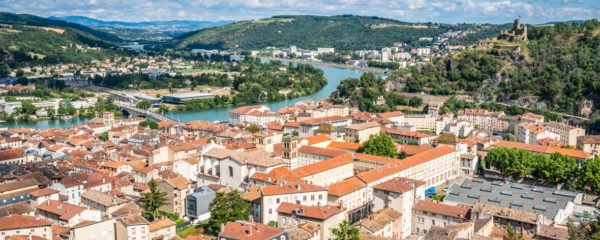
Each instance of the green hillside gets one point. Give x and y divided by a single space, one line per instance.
26 19
310 32
558 66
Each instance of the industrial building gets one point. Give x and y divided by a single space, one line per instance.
179 98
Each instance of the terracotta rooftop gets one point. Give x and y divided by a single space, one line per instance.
160 224
404 164
314 212
43 192
64 210
256 157
321 151
363 126
249 230
319 138
346 186
21 221
324 165
290 188
443 209
399 185
379 219
344 145
135 219
317 121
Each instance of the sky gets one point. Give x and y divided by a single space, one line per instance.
439 11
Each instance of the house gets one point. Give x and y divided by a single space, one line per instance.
163 229
361 132
92 230
41 195
144 174
328 171
385 222
70 187
197 203
250 230
350 193
427 214
589 144
309 127
132 227
219 165
188 168
25 225
308 155
65 214
299 193
103 202
257 115
401 194
326 217
568 134
177 190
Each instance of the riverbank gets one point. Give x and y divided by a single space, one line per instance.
337 65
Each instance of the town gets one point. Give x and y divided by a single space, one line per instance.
304 171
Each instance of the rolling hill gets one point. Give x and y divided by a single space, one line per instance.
555 67
26 19
169 26
344 32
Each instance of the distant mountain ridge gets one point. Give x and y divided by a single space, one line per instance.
172 26
26 19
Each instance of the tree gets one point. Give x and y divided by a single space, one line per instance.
379 145
163 108
295 133
20 73
253 128
145 105
509 137
104 137
415 101
4 70
589 230
151 201
28 108
345 232
144 123
71 110
588 175
512 234
51 112
62 110
227 207
153 125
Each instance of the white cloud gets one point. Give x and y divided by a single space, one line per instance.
451 11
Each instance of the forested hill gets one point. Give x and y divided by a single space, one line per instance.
558 66
310 32
26 19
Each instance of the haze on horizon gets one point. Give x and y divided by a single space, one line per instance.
440 11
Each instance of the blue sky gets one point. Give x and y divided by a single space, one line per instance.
445 11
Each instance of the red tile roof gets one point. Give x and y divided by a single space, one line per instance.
315 212
317 121
344 145
346 186
64 210
321 151
290 188
249 230
319 138
404 164
399 185
21 221
443 209
324 165
43 192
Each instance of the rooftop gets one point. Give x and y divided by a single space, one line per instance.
314 212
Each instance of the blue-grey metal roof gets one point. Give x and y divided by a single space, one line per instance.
509 194
188 95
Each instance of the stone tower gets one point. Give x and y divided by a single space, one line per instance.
289 149
108 118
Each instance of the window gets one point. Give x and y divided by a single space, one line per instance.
277 200
320 197
432 222
312 197
230 171
169 228
304 198
270 211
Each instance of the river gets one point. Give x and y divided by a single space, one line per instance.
334 76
